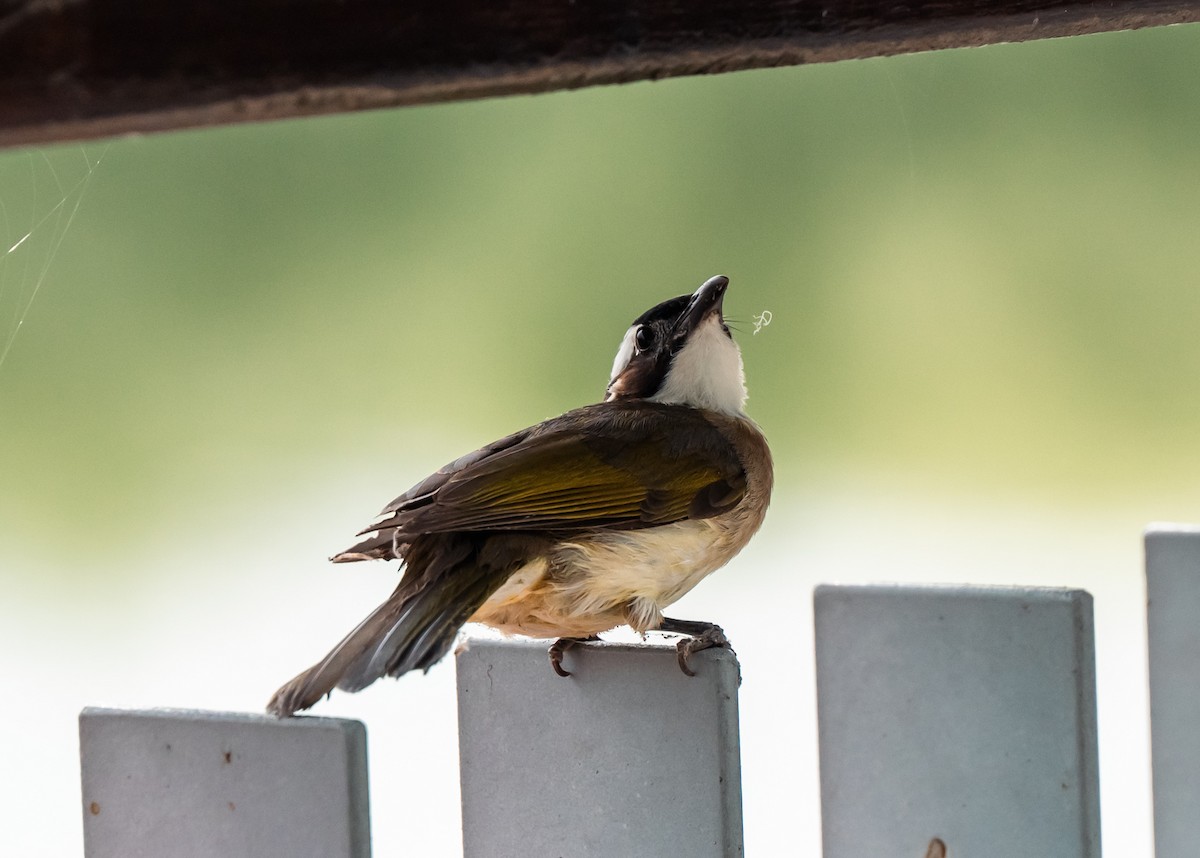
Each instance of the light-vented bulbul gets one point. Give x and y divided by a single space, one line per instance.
601 517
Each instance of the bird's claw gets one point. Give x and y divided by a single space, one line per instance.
711 637
559 648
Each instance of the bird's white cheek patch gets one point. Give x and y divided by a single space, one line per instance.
624 354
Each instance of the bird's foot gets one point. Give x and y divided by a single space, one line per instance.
702 636
559 648
707 639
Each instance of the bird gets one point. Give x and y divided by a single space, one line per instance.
601 517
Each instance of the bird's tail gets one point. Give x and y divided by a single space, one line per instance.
414 628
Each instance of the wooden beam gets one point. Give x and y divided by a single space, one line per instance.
77 69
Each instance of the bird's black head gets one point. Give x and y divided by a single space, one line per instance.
681 351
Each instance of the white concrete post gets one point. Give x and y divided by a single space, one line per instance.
186 784
626 757
961 713
1173 624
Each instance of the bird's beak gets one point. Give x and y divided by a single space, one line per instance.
705 301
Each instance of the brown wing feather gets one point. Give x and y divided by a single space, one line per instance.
610 465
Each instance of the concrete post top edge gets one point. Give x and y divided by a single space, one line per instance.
167 714
970 591
658 646
1169 528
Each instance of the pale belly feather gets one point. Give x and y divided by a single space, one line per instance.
609 579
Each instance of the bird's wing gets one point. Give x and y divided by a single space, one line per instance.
610 465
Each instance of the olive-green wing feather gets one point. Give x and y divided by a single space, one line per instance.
610 465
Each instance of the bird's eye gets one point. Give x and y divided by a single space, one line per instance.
644 338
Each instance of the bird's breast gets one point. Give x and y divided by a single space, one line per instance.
597 581
658 565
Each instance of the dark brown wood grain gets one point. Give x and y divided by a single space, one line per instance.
75 69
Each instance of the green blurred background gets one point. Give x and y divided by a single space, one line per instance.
225 349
